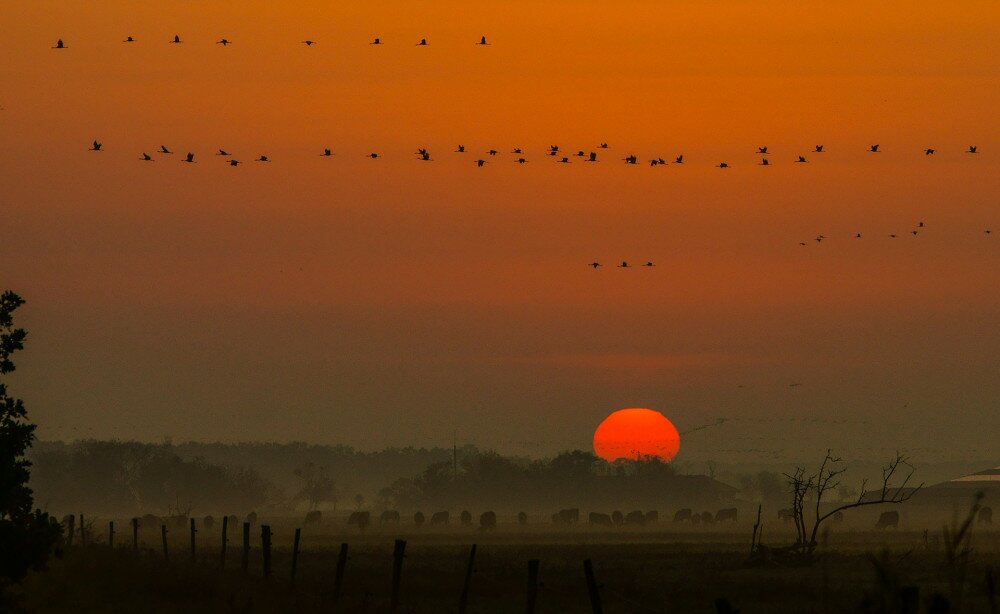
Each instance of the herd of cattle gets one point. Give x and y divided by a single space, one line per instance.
571 516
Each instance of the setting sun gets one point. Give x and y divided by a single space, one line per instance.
636 432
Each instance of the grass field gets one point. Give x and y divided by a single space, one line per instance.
655 569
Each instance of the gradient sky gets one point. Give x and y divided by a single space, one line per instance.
393 302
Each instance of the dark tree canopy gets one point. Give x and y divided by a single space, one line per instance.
26 538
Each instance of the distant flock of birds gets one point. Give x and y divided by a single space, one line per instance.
225 42
554 151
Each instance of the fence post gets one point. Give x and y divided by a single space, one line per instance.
111 534
463 601
225 540
532 585
338 579
135 535
295 553
265 542
83 531
595 595
70 530
246 546
193 531
163 535
398 552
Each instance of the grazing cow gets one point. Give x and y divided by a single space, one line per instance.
360 519
635 518
252 518
522 519
617 517
389 516
888 519
570 516
439 518
726 515
786 515
313 517
208 522
652 517
986 515
487 521
418 519
683 515
601 520
465 518
707 518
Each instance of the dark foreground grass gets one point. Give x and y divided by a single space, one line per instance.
862 572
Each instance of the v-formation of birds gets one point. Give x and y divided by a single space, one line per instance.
225 42
554 152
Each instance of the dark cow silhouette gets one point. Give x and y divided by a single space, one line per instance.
636 518
652 517
617 517
786 515
439 518
522 518
888 519
465 518
418 519
569 516
208 522
313 517
389 516
252 518
601 520
986 515
727 515
707 518
683 515
487 521
360 520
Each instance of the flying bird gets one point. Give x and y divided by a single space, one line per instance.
189 158
223 152
425 156
762 150
129 40
224 42
580 154
594 265
234 163
873 149
604 145
461 149
593 157
857 236
163 149
564 160
972 149
480 163
492 152
521 161
373 155
146 158
262 159
326 153
631 159
422 43
764 162
723 165
649 264
60 45
177 39
679 159
928 151
308 43
802 159
377 41
818 149
517 150
482 41
623 265
96 146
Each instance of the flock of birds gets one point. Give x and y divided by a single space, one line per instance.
554 151
225 42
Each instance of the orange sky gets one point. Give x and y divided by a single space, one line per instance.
391 301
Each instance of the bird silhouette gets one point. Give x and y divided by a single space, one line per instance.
146 157
376 41
723 165
480 162
461 149
654 162
422 43
920 224
892 236
517 150
972 149
857 236
425 155
223 152
564 160
326 153
482 41
623 265
234 163
928 151
802 159
129 39
679 159
802 243
580 154
818 149
631 159
553 149
594 265
224 42
96 146
373 155
262 158
163 149
492 152
604 145
177 40
873 149
913 232
649 264
764 162
593 157
987 231
762 150
189 158
308 43
60 45
522 161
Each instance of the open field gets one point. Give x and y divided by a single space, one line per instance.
655 569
